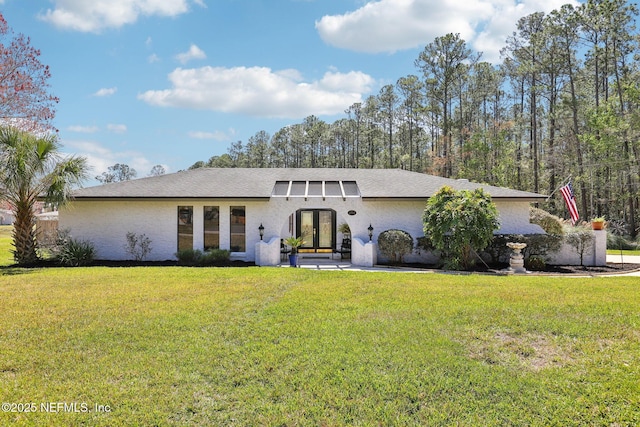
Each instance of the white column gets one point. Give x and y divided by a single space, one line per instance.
371 250
363 254
268 254
600 248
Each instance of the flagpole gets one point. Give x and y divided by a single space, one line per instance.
558 187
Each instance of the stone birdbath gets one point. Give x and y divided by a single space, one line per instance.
516 260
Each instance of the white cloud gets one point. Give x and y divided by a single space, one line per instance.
97 15
392 25
215 136
194 52
83 129
259 91
100 157
153 58
116 128
106 91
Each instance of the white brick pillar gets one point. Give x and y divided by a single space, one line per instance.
363 254
268 254
371 251
600 248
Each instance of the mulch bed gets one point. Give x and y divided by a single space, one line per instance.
493 269
131 263
168 263
549 269
603 270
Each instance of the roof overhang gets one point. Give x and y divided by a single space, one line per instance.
425 198
173 198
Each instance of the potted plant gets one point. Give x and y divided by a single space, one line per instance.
597 223
345 230
294 243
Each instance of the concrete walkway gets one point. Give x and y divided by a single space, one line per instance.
331 265
345 265
625 259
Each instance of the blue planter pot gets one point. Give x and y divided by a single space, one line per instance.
293 260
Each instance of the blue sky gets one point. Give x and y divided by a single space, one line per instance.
171 82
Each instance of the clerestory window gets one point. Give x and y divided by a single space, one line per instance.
322 189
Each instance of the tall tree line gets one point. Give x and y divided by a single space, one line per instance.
563 104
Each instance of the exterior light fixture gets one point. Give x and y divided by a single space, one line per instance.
261 230
370 228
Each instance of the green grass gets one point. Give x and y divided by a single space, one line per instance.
267 346
6 256
624 252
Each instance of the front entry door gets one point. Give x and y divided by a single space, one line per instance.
318 226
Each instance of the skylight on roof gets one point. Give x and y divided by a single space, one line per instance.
322 189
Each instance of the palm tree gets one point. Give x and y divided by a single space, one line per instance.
32 168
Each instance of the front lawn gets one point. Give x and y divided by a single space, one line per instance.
268 346
6 256
623 252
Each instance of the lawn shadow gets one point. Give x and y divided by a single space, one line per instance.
14 270
18 269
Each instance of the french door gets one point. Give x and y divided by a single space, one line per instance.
318 227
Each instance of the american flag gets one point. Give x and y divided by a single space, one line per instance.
570 200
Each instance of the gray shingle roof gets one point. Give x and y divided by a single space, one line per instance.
212 183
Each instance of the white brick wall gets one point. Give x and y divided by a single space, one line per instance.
514 218
594 254
105 223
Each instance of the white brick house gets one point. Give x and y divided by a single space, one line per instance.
224 208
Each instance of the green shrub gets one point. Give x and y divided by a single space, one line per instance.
75 253
497 251
620 243
551 224
538 245
425 243
535 263
214 257
460 224
395 244
542 244
195 257
189 256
